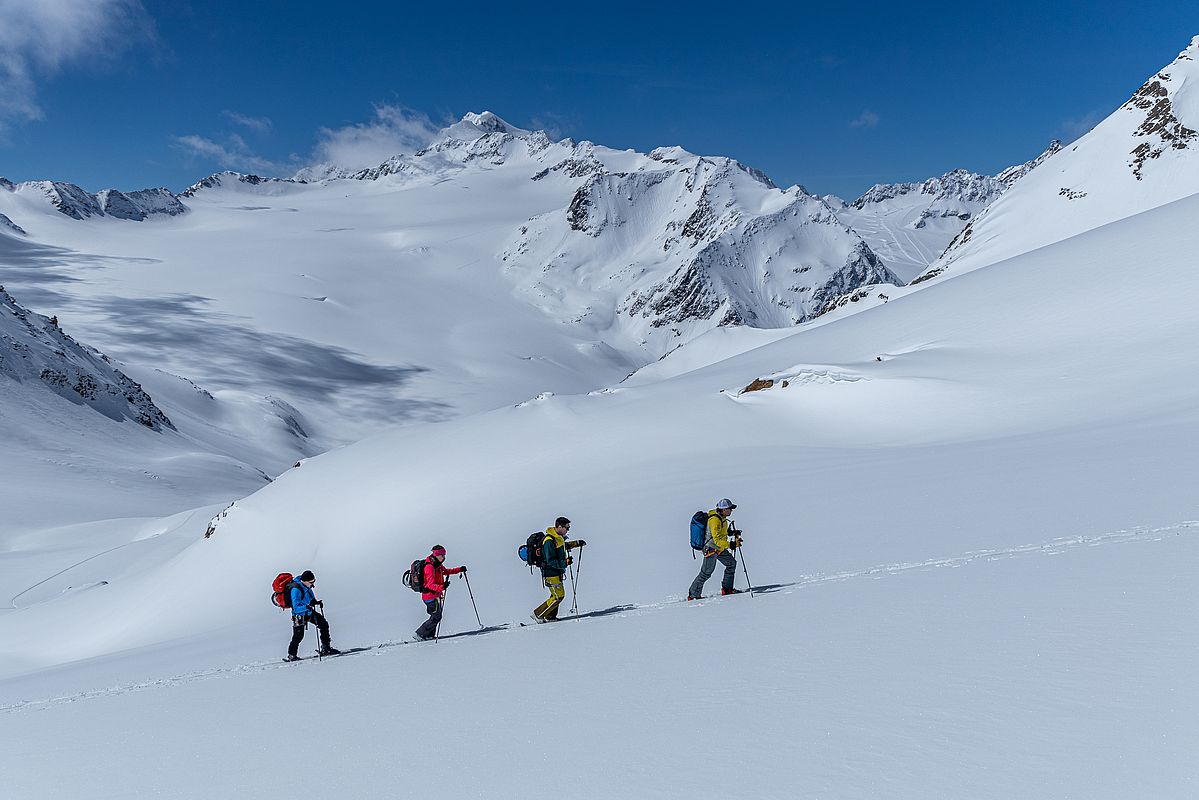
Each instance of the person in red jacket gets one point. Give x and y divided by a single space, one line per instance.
436 579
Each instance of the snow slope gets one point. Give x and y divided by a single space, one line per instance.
85 441
985 496
1140 157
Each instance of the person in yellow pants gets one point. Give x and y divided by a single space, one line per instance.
555 558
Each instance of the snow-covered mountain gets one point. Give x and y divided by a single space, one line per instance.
683 243
1140 157
77 203
372 299
909 225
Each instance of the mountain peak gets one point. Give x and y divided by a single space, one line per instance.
475 126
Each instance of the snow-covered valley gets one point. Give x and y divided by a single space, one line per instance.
971 506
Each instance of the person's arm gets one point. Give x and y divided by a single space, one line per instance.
432 585
298 607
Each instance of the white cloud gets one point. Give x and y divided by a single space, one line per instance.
867 119
235 154
394 130
256 124
39 38
1074 128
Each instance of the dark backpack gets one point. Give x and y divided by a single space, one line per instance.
414 576
281 589
699 530
530 552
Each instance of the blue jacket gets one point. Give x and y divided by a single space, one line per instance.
302 599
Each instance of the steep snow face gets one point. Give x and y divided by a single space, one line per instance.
1142 156
34 350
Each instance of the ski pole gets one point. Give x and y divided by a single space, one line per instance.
466 578
446 591
574 586
741 547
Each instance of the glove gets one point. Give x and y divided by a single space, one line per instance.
580 543
570 559
462 568
320 603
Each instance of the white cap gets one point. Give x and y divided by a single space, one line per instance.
726 503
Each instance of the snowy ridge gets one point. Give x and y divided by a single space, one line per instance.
33 349
229 177
1014 173
77 203
1140 157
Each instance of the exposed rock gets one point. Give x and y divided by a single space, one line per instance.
34 347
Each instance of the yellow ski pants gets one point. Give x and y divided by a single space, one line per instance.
549 609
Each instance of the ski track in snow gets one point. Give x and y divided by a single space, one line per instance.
1050 548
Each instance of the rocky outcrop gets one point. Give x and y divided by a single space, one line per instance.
1161 130
35 350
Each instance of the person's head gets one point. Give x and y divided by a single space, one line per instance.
307 578
725 507
563 525
438 553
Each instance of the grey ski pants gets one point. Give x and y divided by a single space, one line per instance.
708 566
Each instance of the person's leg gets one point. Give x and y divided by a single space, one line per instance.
549 609
730 569
429 627
297 635
706 567
322 625
557 594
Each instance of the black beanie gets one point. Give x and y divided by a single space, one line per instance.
307 575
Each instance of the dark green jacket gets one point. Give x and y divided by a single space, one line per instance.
553 551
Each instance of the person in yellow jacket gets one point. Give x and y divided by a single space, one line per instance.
555 559
717 547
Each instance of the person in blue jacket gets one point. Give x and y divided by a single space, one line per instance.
303 611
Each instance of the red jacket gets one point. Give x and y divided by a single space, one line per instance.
435 579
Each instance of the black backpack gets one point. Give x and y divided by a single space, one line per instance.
531 551
414 576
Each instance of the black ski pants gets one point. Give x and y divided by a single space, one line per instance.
429 626
300 623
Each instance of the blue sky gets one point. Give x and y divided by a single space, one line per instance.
163 92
